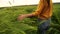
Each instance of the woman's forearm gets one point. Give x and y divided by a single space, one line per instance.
29 15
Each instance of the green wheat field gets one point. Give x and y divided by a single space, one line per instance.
10 25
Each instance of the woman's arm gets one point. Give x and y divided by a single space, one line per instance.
21 17
38 11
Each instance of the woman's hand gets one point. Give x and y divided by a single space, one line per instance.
21 17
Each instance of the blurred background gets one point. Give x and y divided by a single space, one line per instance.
7 3
11 9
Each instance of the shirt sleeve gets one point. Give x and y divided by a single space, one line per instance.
39 8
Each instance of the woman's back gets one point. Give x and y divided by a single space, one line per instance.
47 10
44 9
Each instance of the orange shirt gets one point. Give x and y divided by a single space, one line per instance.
43 10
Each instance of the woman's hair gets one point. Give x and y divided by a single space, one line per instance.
48 2
45 3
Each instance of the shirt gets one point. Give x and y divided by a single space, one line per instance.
44 10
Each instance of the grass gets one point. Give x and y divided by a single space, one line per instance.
10 25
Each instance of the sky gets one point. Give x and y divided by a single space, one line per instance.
20 2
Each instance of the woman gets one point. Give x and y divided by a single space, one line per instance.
44 13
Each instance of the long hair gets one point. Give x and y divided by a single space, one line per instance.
44 2
47 5
49 2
